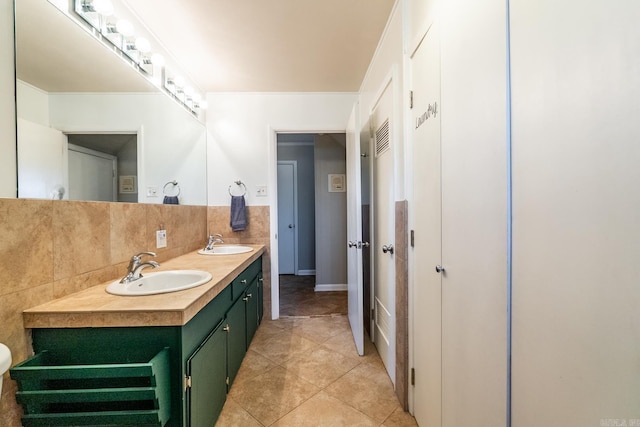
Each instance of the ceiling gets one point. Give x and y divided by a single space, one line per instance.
269 45
221 45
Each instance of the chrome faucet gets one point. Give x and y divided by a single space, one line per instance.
213 239
136 266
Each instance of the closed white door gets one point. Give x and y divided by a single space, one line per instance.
42 162
287 217
92 175
427 211
354 231
384 230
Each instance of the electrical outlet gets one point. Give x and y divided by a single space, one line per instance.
261 190
161 239
152 191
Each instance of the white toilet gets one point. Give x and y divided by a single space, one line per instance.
5 362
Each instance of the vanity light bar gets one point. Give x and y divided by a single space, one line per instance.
119 34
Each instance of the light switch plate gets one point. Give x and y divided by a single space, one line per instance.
152 191
261 190
161 239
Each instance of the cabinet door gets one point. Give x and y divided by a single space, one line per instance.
252 298
236 338
260 298
207 369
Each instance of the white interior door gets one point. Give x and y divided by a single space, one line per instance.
287 171
427 210
384 230
354 231
92 175
42 162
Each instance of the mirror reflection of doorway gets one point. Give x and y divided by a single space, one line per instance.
103 167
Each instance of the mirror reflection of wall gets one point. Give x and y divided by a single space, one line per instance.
68 84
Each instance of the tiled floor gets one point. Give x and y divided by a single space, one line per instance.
298 298
306 372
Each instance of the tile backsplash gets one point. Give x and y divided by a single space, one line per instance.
49 249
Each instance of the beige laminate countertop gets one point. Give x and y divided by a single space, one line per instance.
94 307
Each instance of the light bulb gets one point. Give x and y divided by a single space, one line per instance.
124 27
103 7
143 45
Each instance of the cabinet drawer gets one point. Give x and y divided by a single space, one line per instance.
245 278
55 393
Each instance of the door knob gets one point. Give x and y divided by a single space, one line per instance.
439 269
387 248
290 225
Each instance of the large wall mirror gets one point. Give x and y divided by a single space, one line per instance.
90 127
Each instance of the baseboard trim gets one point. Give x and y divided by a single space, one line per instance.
330 287
306 273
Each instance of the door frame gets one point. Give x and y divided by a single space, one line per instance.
294 163
100 154
272 135
140 146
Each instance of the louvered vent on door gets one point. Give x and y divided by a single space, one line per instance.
382 138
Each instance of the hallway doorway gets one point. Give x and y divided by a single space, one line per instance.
298 298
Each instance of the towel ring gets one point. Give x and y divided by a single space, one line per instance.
239 183
175 184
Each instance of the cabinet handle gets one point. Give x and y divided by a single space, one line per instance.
245 299
261 280
243 281
226 328
248 295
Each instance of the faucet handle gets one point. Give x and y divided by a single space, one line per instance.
141 254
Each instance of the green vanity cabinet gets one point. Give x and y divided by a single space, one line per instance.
207 379
173 375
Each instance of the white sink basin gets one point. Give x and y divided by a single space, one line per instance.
226 250
160 283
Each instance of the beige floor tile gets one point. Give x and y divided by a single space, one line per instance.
281 347
253 365
270 396
320 329
321 366
323 410
399 418
233 416
367 388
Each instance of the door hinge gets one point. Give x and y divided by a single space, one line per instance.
413 376
227 381
410 99
413 238
187 382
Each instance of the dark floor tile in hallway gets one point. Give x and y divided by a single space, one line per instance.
298 298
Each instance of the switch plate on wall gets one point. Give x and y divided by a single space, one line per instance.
161 239
152 191
261 190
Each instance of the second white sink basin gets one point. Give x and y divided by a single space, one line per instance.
160 283
226 250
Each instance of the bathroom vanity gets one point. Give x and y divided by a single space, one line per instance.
166 359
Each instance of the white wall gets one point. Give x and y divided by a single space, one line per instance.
171 144
241 140
8 180
32 104
576 157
